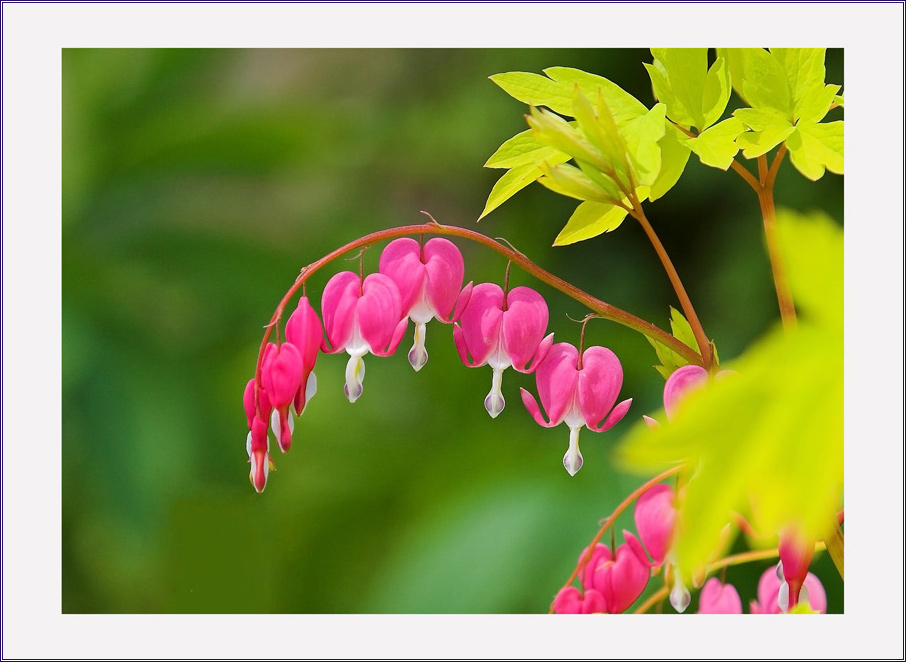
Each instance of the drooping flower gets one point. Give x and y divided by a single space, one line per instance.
502 331
620 578
577 391
281 375
719 598
257 444
683 381
429 279
361 317
570 601
304 332
771 598
655 520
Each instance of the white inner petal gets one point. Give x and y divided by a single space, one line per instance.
494 401
418 355
355 375
573 461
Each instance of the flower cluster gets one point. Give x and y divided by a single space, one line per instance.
492 325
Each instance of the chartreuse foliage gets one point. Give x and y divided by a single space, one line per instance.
768 441
682 331
788 97
620 149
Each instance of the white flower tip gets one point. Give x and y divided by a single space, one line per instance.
494 403
680 598
355 375
783 597
418 357
573 461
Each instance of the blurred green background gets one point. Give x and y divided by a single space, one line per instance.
196 184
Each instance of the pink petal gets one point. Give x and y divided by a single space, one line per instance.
600 380
401 261
556 378
769 590
570 601
524 325
795 555
464 297
378 313
338 306
599 557
615 416
622 580
718 598
542 352
682 381
303 329
445 271
529 401
655 520
281 373
248 401
480 323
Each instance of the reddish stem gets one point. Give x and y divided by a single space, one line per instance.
602 308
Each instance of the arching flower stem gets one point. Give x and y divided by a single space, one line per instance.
601 308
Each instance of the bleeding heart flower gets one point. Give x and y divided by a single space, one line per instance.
620 578
718 598
303 331
281 375
570 601
772 600
429 279
502 330
257 444
361 317
655 520
578 392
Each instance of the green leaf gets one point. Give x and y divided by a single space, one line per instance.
536 90
513 181
556 132
716 146
716 93
735 58
762 79
693 94
642 143
623 106
816 147
767 441
813 252
815 106
669 360
572 182
674 156
839 100
682 331
804 69
770 128
590 219
803 608
521 149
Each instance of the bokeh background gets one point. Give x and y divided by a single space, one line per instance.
196 184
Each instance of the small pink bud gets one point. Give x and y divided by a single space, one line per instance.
304 332
281 374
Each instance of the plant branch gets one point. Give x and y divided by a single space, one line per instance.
602 308
703 344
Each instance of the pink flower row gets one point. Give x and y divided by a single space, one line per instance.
498 327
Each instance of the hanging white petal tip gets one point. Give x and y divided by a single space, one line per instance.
573 461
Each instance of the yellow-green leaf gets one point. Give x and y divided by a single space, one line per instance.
764 82
804 69
536 90
717 146
770 128
813 252
572 182
682 331
513 181
623 106
520 150
674 155
816 147
767 441
556 132
716 93
589 220
642 143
